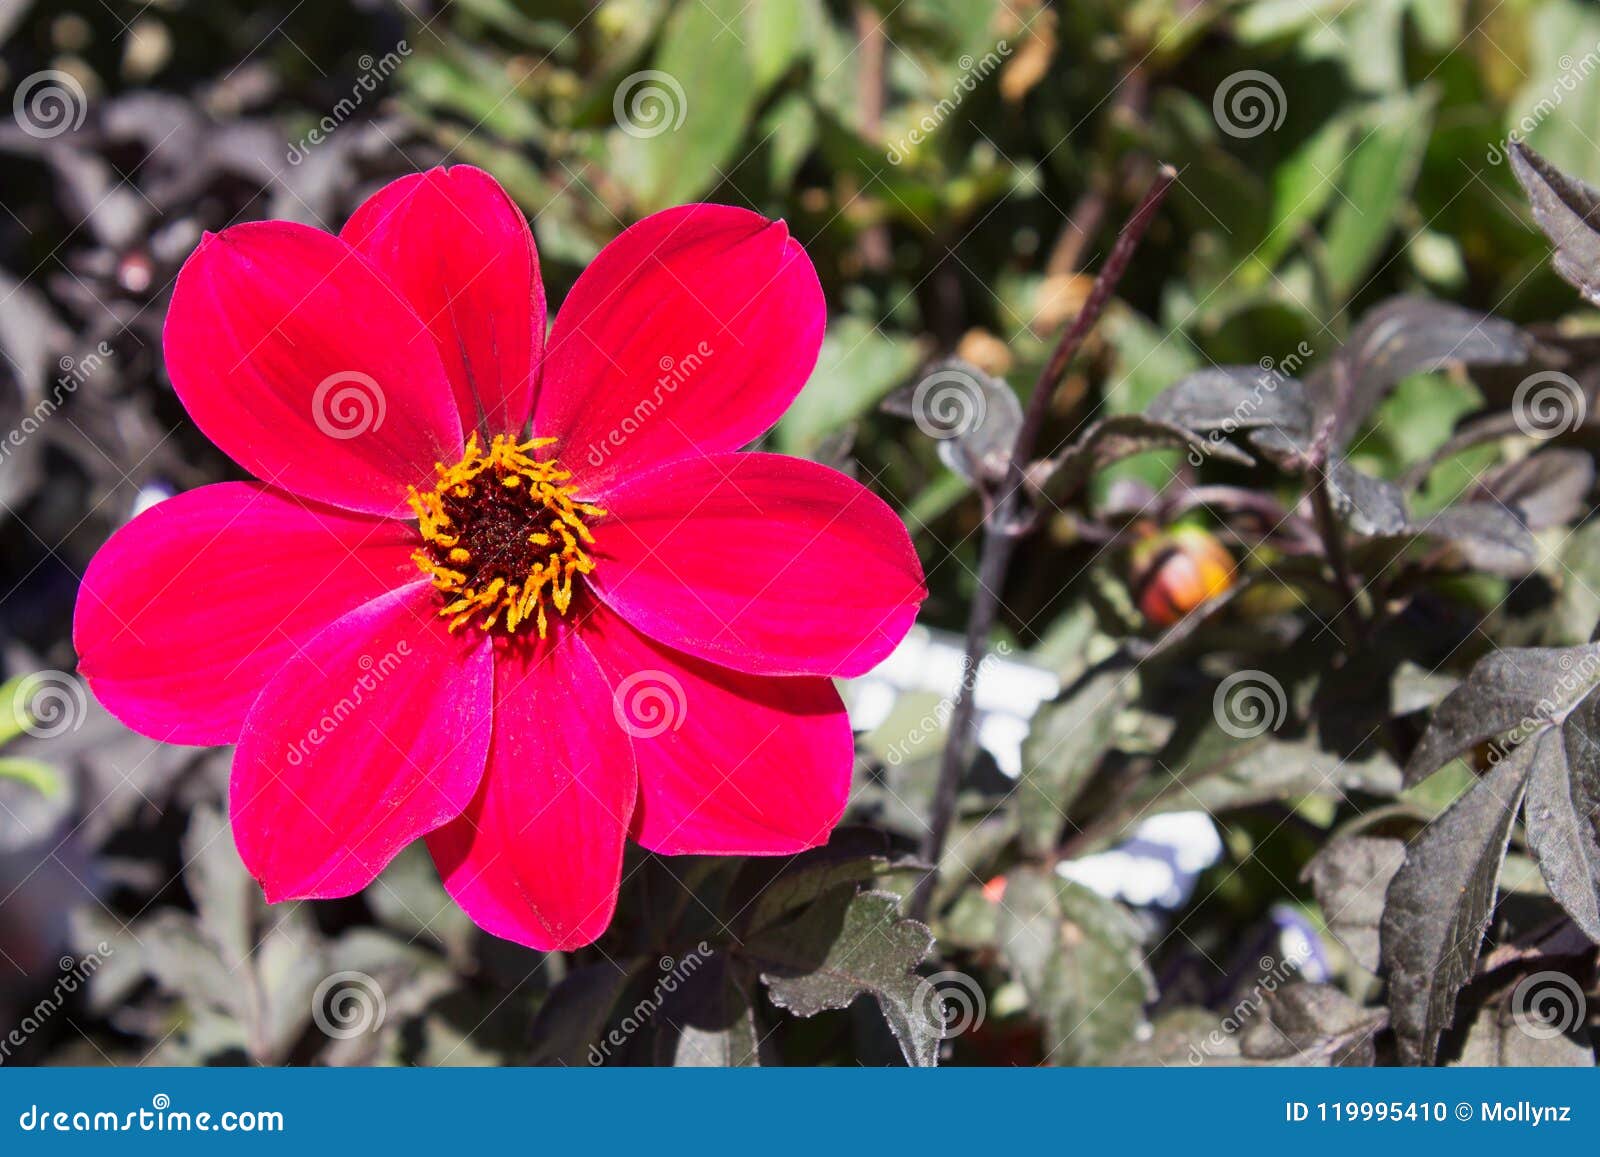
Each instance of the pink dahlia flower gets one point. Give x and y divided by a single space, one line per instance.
520 595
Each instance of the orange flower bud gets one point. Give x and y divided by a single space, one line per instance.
1177 570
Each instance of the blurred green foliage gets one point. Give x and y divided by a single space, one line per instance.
953 168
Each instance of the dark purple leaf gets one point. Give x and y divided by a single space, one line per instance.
1522 689
1568 210
1349 877
1563 803
1548 489
1405 336
1438 906
1229 398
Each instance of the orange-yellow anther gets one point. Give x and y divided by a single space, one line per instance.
502 534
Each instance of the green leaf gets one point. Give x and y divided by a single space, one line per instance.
1062 751
789 129
1577 603
846 945
1559 96
858 365
1262 21
1439 903
1377 183
1370 40
504 16
1145 362
776 37
1079 957
682 121
14 714
450 81
1417 419
1302 186
40 776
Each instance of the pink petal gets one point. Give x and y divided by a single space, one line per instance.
692 331
457 248
298 359
375 734
537 857
729 764
762 563
189 609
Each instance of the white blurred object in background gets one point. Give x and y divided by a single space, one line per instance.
1009 690
1158 864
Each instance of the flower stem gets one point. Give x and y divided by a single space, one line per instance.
1327 520
1000 532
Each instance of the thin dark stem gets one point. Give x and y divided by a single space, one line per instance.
1236 498
1000 532
1105 284
1333 540
1127 108
873 243
1322 502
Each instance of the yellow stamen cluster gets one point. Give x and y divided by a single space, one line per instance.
503 533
